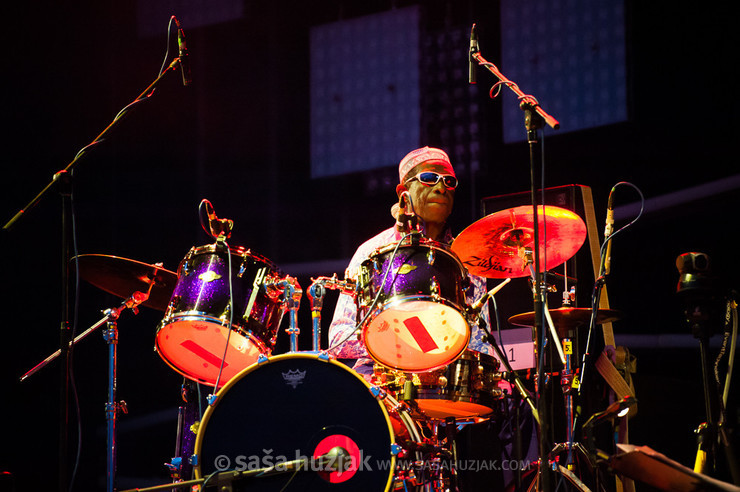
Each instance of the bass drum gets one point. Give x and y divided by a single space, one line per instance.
299 406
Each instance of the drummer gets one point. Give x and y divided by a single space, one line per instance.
426 180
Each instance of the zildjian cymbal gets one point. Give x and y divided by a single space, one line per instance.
501 245
122 277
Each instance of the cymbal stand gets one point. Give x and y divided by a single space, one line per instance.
112 407
568 383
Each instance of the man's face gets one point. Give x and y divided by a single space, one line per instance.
431 203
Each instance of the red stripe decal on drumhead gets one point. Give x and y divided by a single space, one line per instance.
420 334
203 353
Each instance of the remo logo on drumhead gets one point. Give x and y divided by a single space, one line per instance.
294 377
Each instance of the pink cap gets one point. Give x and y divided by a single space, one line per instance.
425 154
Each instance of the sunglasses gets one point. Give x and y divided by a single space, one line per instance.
430 178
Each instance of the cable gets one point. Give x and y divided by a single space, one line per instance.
231 314
70 353
599 282
167 50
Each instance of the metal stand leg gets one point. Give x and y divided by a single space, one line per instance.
112 407
566 381
569 446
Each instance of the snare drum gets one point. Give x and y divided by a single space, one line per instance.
418 322
300 406
192 336
465 389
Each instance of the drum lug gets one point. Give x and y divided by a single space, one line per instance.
434 287
171 308
193 460
246 255
430 256
323 356
226 315
378 393
466 284
377 266
211 399
396 449
262 359
185 267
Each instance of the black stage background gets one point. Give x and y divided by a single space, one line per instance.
239 137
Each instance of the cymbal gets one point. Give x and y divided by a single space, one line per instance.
566 318
496 245
122 277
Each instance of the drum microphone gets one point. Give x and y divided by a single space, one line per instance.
218 226
608 230
405 221
478 305
337 459
183 53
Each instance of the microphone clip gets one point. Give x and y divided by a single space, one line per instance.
406 220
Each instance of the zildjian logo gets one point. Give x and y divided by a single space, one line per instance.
294 377
489 264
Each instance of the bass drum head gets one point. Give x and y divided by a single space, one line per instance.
297 406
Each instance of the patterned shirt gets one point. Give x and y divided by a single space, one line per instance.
345 343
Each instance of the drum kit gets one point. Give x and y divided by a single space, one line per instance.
303 420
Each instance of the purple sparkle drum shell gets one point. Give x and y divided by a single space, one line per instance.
418 324
192 337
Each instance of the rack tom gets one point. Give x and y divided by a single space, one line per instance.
192 337
412 296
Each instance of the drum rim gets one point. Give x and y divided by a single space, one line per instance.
236 250
321 357
445 248
401 299
200 315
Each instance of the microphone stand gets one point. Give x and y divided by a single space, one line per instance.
63 181
223 481
534 119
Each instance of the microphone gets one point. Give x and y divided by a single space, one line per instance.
478 305
405 221
608 230
472 78
337 459
218 226
183 53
